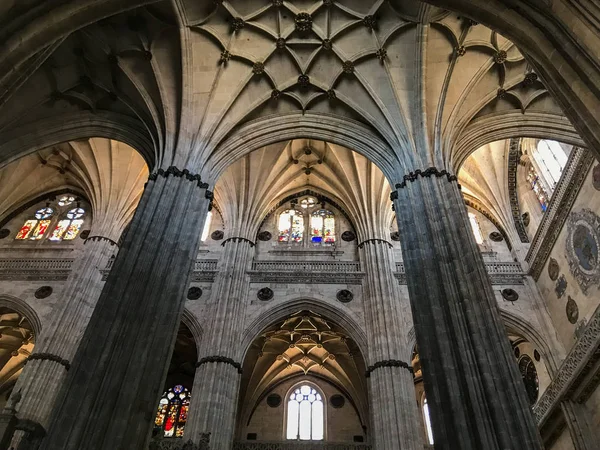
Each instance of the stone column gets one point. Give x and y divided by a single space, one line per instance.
476 395
115 379
47 368
584 437
216 383
393 408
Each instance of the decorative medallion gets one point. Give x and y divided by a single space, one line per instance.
370 22
43 292
345 296
194 293
517 352
337 401
461 51
327 44
495 236
303 22
526 219
304 81
510 295
225 57
572 311
348 67
348 236
553 269
217 235
582 246
501 93
237 24
395 236
84 234
275 94
264 236
280 43
536 355
258 68
561 286
381 54
265 294
274 400
472 23
530 78
331 95
596 177
4 232
500 57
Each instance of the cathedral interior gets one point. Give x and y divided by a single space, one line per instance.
300 224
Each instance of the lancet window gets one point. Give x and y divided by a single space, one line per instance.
476 228
305 414
60 220
172 413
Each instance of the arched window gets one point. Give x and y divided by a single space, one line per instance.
547 164
305 414
172 413
427 420
476 228
291 226
70 220
530 378
206 229
322 227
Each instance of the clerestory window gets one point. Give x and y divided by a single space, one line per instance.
305 414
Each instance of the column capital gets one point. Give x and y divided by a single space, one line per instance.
426 173
220 359
388 363
185 173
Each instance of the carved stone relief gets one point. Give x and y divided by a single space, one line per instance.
572 311
583 242
596 177
553 269
561 286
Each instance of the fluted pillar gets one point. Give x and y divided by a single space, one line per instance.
217 378
476 395
46 370
393 407
116 376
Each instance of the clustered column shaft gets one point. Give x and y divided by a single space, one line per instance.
393 405
218 374
476 395
118 371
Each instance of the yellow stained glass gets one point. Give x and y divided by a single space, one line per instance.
73 229
26 229
60 229
40 230
329 229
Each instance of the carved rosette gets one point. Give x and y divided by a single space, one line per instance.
348 67
225 57
304 81
303 22
500 57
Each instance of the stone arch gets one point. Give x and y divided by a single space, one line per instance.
285 309
23 308
45 133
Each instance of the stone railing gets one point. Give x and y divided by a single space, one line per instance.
345 272
508 272
35 269
204 270
299 445
181 444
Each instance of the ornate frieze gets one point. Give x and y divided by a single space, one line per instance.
301 272
500 273
513 163
35 269
299 445
564 196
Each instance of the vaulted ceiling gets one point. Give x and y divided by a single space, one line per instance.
417 78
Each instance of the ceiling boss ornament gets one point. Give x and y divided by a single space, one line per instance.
303 22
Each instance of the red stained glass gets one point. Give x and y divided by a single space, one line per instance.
40 230
26 229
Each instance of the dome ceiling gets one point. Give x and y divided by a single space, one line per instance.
418 77
249 189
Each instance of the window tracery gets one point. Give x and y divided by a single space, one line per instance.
530 378
318 224
172 413
291 226
65 225
322 224
305 414
547 164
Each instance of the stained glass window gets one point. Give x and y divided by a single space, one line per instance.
172 412
291 226
66 200
537 187
530 378
26 229
427 419
322 227
68 229
305 415
308 202
476 228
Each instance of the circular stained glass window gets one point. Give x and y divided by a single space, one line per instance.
75 213
44 213
66 200
308 202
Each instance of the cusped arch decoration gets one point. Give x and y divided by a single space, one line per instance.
282 311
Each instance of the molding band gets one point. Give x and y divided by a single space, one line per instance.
172 170
374 241
427 173
514 156
220 359
238 239
100 238
50 357
388 363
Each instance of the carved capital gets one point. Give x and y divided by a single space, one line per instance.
100 238
427 173
388 363
174 171
237 239
220 359
50 357
374 241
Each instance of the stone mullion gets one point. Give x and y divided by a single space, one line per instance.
42 378
394 408
111 389
213 410
475 393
